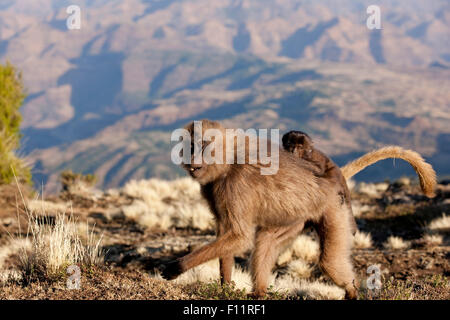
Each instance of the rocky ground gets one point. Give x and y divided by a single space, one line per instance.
416 268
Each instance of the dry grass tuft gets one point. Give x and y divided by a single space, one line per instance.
362 240
285 257
396 243
359 209
55 247
299 269
351 184
165 204
304 247
441 224
9 250
301 288
373 190
53 243
209 272
433 239
46 206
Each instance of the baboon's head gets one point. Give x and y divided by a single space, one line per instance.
298 142
208 156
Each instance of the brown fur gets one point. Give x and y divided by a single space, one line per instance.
427 176
300 144
266 213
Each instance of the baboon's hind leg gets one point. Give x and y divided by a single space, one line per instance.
268 244
353 225
336 243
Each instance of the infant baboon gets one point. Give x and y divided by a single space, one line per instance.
300 144
266 213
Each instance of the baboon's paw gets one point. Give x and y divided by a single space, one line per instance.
172 270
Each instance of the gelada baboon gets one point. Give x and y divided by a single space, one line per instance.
266 213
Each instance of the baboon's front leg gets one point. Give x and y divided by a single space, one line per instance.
226 269
226 263
226 245
268 244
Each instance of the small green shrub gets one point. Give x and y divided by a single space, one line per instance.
228 291
11 98
216 291
69 179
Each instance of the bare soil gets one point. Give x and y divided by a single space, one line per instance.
134 253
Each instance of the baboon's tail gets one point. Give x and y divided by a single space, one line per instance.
427 175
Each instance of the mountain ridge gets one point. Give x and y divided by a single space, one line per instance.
138 69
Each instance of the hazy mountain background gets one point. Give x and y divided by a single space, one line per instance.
104 99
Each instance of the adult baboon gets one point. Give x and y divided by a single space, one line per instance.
266 212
